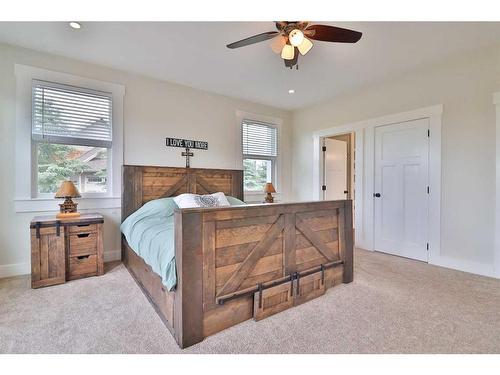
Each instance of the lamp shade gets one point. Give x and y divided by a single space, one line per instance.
269 188
67 189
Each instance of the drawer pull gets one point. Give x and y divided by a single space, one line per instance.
83 235
83 225
81 257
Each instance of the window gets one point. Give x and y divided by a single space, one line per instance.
72 137
260 150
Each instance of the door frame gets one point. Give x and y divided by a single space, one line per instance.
349 180
496 265
364 153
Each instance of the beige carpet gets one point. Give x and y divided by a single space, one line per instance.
394 305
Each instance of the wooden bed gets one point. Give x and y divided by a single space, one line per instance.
235 263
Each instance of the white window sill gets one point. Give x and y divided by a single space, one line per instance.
52 204
258 197
260 193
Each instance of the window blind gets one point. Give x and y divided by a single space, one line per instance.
71 115
259 139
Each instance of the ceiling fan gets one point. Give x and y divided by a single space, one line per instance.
293 37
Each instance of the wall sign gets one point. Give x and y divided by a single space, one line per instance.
186 143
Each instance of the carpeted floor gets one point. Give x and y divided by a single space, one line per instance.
394 305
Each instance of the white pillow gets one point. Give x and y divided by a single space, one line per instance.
205 201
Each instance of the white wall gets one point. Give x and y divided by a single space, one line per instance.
153 110
464 85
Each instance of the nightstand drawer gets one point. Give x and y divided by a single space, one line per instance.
83 265
83 243
83 228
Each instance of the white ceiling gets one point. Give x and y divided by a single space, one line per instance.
194 54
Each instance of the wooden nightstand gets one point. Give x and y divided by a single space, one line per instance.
65 249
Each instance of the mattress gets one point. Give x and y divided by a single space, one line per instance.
150 234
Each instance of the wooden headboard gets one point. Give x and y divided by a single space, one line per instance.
144 183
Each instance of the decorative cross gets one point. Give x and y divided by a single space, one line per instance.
187 154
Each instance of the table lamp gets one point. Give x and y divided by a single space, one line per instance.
269 188
67 190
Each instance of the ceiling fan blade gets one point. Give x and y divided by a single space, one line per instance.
278 43
253 39
280 25
303 24
332 34
291 63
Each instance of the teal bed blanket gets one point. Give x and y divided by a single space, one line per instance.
150 234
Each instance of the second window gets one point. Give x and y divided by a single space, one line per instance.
260 151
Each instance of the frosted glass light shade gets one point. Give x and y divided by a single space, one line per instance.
287 52
305 46
295 37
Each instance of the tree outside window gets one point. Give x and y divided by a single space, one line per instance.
256 174
85 166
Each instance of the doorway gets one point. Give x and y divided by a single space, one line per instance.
338 167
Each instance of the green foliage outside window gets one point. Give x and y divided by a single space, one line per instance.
255 174
55 165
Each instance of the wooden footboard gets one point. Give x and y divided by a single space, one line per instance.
253 261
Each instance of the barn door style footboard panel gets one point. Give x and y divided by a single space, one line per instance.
248 262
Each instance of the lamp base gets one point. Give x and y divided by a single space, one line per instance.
67 215
269 198
67 209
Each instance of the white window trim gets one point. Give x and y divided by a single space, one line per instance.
254 196
25 199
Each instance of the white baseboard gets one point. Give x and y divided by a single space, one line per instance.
364 245
17 269
112 255
463 265
477 268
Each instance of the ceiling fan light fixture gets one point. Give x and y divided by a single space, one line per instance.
305 46
288 52
296 37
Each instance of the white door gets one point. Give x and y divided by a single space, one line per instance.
335 169
401 188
